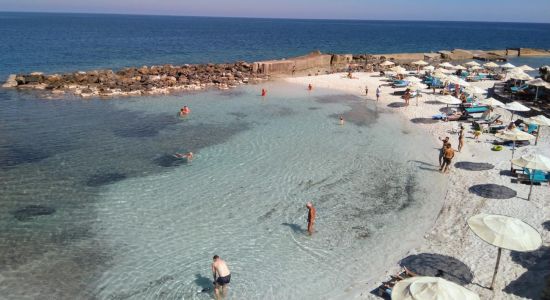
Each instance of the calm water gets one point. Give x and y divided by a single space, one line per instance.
92 205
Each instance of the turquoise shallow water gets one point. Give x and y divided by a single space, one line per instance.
131 223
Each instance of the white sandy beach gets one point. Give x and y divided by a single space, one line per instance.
450 234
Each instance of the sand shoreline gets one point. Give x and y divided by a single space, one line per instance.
521 275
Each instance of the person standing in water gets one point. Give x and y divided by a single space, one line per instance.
378 92
366 90
264 92
185 111
341 120
310 217
222 277
310 87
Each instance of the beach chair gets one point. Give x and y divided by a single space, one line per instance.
536 176
400 83
476 109
516 89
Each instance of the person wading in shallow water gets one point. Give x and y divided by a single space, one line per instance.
222 276
310 217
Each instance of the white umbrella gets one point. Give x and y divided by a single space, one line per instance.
533 162
420 63
514 135
387 63
446 65
475 68
416 86
445 71
491 65
526 68
540 120
515 106
455 80
448 99
476 90
430 288
429 68
397 69
491 102
507 66
538 83
459 67
413 79
505 232
520 76
472 63
439 75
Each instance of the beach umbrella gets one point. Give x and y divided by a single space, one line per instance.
397 68
420 63
416 86
491 102
412 79
475 68
456 80
505 232
515 106
539 120
539 82
472 63
459 67
387 63
507 66
446 65
429 68
533 162
439 74
514 135
444 71
430 288
476 90
491 65
520 76
449 100
526 68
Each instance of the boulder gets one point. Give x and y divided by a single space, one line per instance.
10 82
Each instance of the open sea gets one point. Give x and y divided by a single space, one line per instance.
94 206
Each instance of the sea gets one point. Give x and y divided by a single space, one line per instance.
93 204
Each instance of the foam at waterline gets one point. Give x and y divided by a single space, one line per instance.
244 200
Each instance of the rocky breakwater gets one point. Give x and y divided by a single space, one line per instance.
139 81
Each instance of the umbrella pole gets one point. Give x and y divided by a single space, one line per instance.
539 127
513 149
496 268
531 175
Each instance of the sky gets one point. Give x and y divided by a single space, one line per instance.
452 10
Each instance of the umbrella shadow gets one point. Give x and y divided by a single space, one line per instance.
493 191
433 102
397 104
424 121
473 166
531 283
295 227
438 265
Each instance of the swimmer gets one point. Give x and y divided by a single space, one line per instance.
184 111
222 277
264 92
310 87
188 155
310 217
341 120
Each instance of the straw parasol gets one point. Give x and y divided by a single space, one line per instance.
446 65
476 90
539 82
413 79
475 68
472 63
520 76
505 232
515 106
420 63
459 67
455 80
526 68
514 135
533 162
507 66
445 71
540 120
387 63
491 102
429 68
491 65
424 287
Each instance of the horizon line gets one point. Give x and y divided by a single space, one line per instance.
263 18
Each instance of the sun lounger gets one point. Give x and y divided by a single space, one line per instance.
537 176
400 83
516 89
476 109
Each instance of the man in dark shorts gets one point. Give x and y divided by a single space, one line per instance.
222 277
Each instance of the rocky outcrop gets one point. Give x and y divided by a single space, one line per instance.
138 81
544 72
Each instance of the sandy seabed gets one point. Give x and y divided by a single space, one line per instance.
521 275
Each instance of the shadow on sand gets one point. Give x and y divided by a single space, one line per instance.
397 104
531 283
295 227
473 166
437 265
493 191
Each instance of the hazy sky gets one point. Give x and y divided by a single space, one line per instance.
456 10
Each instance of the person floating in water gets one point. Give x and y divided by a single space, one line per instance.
341 120
188 155
310 217
264 92
184 111
222 277
310 87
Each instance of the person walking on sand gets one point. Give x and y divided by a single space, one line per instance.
448 155
442 150
310 217
460 138
222 277
378 92
366 90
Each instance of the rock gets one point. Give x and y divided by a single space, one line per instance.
28 212
10 82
